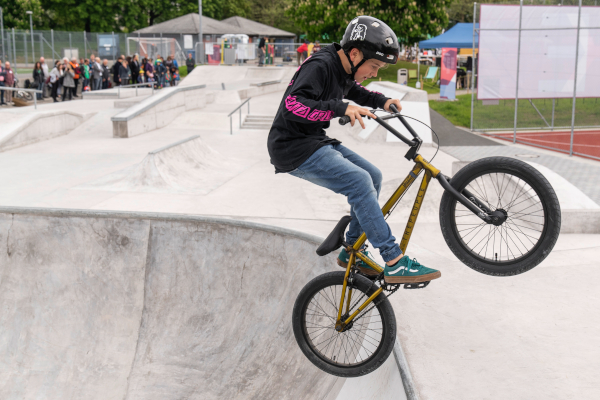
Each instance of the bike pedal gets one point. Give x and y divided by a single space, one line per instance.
419 285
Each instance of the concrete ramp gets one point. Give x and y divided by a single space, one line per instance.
264 73
99 305
187 166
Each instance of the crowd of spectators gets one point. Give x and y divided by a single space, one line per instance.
68 78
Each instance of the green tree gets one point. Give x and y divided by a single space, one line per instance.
14 14
412 20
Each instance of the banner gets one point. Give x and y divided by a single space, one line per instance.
448 76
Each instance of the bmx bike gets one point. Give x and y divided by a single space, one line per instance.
498 215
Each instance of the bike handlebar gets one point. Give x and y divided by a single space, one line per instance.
396 114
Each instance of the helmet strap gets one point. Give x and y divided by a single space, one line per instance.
353 69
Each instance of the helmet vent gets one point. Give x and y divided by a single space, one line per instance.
390 57
375 24
389 40
354 21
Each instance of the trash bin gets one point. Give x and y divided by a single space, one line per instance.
403 76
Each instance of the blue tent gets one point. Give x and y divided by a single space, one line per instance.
459 36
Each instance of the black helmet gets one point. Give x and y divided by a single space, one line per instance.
373 37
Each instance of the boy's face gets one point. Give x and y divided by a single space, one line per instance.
369 69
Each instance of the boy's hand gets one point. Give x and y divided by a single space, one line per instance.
356 113
392 101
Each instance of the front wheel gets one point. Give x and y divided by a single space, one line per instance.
367 341
531 221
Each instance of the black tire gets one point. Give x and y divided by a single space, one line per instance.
380 322
533 217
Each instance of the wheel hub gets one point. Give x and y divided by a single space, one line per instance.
498 217
340 327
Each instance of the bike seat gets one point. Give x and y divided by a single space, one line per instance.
335 238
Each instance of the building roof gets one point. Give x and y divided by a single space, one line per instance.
189 25
253 28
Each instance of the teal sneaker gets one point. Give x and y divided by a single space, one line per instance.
344 257
409 271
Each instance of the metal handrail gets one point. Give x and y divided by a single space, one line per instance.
23 90
238 108
136 86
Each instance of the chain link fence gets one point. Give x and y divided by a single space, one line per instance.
553 121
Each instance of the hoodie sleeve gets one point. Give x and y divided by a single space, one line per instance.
363 96
301 104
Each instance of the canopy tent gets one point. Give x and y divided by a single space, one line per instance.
460 36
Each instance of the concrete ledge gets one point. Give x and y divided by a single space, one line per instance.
156 112
259 90
266 83
39 126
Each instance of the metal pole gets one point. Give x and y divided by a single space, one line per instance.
200 33
32 46
139 45
112 47
84 45
53 52
575 81
41 44
473 64
14 49
553 102
2 30
70 48
25 47
35 100
518 61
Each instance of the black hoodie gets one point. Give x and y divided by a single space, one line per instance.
312 99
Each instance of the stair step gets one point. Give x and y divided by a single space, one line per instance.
256 126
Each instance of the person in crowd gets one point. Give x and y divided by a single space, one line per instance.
56 76
86 73
96 73
169 63
76 69
300 52
469 70
2 84
134 66
38 79
174 72
116 68
261 52
105 74
158 57
316 47
92 60
149 71
124 73
68 82
175 63
190 63
160 72
9 81
46 78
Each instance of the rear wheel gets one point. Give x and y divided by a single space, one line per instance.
524 197
363 346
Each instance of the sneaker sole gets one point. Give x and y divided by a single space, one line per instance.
413 279
366 271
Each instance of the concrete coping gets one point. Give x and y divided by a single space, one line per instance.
266 83
167 147
152 101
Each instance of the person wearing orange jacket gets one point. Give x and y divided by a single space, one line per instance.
77 74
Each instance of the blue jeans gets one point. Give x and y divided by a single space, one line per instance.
341 170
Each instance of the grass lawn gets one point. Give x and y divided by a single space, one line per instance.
501 116
391 74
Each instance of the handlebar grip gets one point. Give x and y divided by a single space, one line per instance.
344 120
394 109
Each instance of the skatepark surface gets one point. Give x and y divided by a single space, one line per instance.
176 277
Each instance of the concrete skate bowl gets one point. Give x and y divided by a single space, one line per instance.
187 166
105 305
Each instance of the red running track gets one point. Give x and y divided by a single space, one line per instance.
586 143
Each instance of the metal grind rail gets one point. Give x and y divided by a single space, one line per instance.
240 110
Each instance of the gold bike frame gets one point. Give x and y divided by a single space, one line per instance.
430 172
